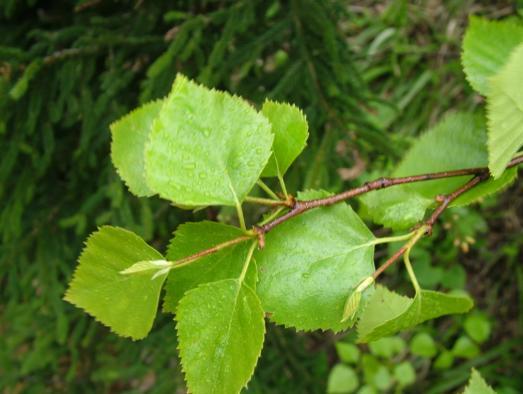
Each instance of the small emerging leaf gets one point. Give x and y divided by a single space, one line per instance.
149 265
351 306
290 130
387 313
220 332
125 303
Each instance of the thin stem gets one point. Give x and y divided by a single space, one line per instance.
272 216
413 239
412 276
382 183
189 259
267 189
299 207
265 201
282 185
241 218
247 261
396 238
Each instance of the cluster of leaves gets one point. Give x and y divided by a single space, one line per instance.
392 362
66 72
310 264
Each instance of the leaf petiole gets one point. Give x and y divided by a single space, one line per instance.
267 189
247 261
264 201
396 238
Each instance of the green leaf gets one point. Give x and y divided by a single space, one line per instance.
387 347
191 238
125 303
444 360
454 277
478 327
206 147
423 345
477 385
404 373
458 141
388 313
290 130
311 263
465 348
342 380
220 332
375 373
347 352
486 48
129 135
505 113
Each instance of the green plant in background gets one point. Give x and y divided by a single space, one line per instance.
66 72
309 264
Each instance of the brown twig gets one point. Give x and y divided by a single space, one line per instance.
298 207
382 183
214 249
426 227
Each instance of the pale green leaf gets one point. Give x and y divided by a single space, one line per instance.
220 333
505 113
387 347
459 141
311 264
478 327
477 385
486 48
388 313
206 147
444 360
149 265
464 347
342 380
376 374
405 373
347 352
290 130
129 135
191 238
125 303
422 344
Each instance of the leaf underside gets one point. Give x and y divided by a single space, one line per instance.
387 313
125 303
310 264
220 333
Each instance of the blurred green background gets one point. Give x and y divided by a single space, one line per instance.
370 76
